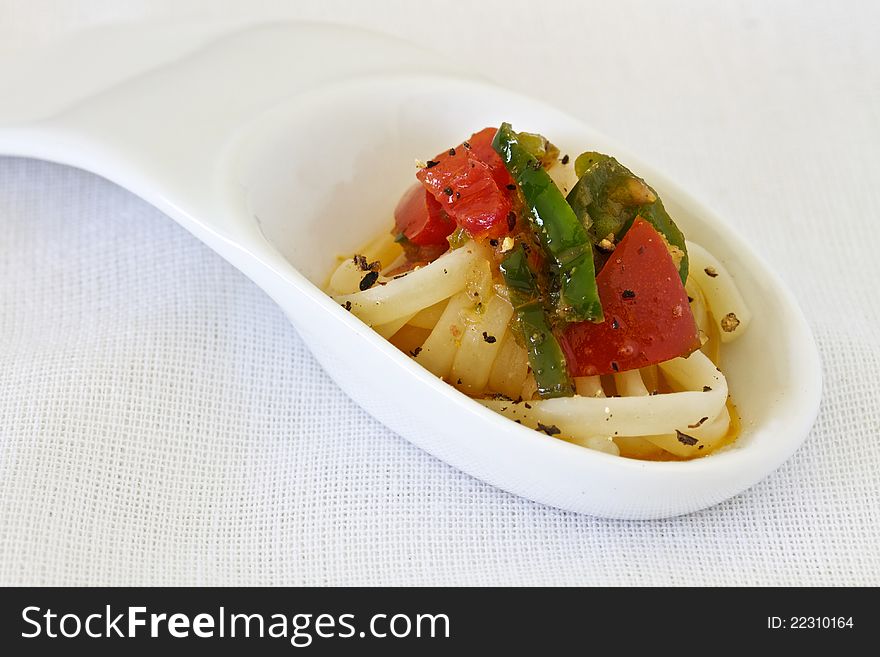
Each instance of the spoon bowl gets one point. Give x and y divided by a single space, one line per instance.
282 187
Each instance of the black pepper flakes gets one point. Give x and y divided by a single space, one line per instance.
415 352
628 294
347 305
448 191
431 163
552 430
451 152
458 382
457 195
698 424
690 299
707 389
710 272
511 220
491 339
511 187
614 323
564 159
493 242
527 405
615 366
466 145
368 280
685 439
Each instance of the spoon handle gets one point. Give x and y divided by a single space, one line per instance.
155 108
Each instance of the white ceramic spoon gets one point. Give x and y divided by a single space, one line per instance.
279 167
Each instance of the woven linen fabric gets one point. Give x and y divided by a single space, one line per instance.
162 423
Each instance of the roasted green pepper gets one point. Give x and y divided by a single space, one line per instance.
608 197
557 228
545 355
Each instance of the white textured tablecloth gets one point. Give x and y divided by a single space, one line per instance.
161 423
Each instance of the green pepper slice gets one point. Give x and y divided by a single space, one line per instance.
557 228
545 355
608 197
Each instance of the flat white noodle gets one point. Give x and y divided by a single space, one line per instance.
390 328
630 384
427 317
589 386
382 248
439 349
563 175
529 387
599 443
347 278
480 345
510 368
698 305
729 309
418 289
582 417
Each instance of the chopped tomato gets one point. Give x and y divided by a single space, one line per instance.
421 219
481 146
647 316
466 188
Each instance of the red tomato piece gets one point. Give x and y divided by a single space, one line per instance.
647 316
421 219
466 189
481 146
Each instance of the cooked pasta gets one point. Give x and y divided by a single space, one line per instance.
505 317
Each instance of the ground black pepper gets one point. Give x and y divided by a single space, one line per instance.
368 280
552 430
685 439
